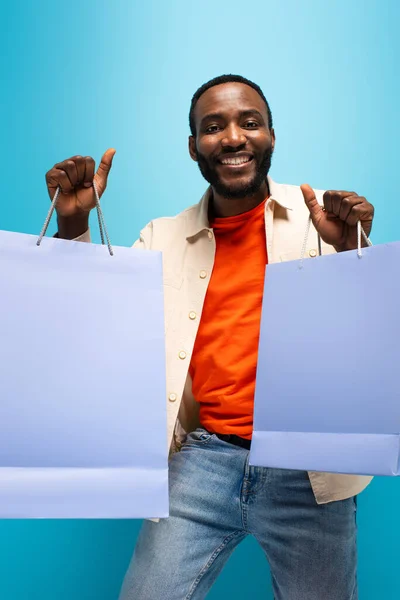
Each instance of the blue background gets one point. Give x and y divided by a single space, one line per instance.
82 76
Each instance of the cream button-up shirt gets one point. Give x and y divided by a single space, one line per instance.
188 247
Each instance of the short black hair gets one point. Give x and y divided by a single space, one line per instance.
217 81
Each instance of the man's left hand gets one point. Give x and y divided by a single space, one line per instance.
336 222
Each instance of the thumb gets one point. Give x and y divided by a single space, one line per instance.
313 206
104 168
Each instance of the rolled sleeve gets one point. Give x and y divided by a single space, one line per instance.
85 237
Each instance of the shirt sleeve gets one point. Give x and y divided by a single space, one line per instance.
85 237
144 242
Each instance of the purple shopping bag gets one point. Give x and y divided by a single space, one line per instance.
328 378
82 381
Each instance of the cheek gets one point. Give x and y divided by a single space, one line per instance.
207 145
261 142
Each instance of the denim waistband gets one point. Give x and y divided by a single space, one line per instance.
234 439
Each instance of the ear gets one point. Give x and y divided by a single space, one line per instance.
273 139
192 148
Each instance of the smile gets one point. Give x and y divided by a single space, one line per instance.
236 160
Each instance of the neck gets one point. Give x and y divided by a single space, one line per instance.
229 207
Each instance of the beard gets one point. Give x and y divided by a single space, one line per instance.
235 190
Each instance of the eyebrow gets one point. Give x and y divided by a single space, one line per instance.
245 113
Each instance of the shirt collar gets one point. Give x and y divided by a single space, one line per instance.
198 217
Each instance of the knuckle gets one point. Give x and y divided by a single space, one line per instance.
63 182
57 177
61 165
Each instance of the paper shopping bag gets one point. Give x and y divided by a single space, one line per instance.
328 378
82 381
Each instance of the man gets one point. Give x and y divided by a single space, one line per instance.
214 262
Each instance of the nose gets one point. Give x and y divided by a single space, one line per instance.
234 137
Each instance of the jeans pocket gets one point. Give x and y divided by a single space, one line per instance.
198 437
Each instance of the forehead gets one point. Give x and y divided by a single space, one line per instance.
229 98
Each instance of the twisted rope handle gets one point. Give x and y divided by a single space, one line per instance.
100 218
360 232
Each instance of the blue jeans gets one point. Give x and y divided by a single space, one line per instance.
216 500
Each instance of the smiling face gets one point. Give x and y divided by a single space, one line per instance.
233 144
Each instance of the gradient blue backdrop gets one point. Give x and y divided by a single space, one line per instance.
81 76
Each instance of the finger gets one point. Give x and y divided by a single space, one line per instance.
333 200
57 178
51 178
80 168
363 212
312 203
60 178
105 167
69 167
89 171
347 206
52 182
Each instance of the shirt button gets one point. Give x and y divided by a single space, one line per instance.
192 315
210 235
182 354
203 274
312 253
172 397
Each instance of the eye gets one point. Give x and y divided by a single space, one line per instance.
212 129
251 124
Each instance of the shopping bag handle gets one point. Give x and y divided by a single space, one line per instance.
360 232
102 225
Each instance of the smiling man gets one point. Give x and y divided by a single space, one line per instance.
235 165
215 255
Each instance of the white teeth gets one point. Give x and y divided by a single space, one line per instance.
235 161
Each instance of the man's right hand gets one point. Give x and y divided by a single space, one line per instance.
75 177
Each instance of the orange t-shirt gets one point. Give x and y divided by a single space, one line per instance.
224 360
